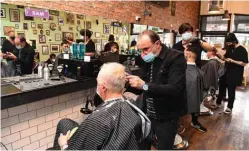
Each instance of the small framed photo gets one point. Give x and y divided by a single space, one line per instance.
22 34
40 26
54 12
25 26
106 28
42 39
3 13
34 32
16 26
51 17
59 28
45 50
44 19
60 21
97 34
71 28
78 22
41 32
80 16
87 24
47 32
103 36
54 48
33 25
14 15
57 37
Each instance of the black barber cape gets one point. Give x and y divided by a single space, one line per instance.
194 85
211 74
114 125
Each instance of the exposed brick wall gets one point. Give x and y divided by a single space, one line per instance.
32 126
186 11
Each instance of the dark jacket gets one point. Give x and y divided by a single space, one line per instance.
168 88
25 58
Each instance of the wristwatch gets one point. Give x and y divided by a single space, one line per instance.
145 87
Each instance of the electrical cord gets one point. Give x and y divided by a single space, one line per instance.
4 146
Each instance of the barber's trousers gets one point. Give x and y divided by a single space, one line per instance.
165 132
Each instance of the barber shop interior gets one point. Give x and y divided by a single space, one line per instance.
124 75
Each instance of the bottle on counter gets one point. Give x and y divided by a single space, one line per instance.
75 50
40 71
81 50
46 72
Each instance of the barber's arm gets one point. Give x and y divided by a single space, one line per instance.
240 63
174 85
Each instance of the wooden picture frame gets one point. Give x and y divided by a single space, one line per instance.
3 13
78 16
20 33
67 35
14 15
25 26
115 30
33 25
97 34
42 39
106 28
54 48
78 22
54 12
45 50
34 32
41 32
60 21
16 26
40 26
70 18
57 37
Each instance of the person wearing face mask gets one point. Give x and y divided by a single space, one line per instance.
186 31
23 55
116 124
90 45
236 58
8 47
64 49
163 87
51 59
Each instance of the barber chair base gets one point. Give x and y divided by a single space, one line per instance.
180 143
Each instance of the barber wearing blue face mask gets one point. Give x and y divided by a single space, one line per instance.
162 83
186 31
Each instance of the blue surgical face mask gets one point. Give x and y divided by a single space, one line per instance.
18 47
149 57
187 36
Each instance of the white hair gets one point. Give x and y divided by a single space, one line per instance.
113 75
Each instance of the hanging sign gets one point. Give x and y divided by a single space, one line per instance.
37 13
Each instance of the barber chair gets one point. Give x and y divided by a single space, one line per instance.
86 109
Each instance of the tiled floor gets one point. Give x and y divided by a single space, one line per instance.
224 132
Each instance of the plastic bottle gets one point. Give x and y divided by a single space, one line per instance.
40 71
46 72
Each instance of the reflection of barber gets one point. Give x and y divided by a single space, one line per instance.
90 45
23 55
8 47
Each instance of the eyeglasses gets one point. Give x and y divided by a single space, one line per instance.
146 49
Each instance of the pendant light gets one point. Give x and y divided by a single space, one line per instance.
214 8
226 16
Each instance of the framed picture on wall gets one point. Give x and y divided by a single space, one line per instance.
54 48
42 39
80 16
3 13
33 25
40 26
78 28
102 36
115 30
106 28
57 37
6 29
27 17
45 50
51 17
97 34
70 18
87 24
70 28
41 32
20 33
25 26
47 32
14 15
78 22
60 21
67 35
16 26
54 12
34 32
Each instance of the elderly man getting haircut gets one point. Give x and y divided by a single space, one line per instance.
116 124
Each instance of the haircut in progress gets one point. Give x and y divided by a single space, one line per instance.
153 35
112 75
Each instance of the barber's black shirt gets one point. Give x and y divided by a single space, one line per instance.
90 46
8 47
234 74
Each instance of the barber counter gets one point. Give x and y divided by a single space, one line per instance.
31 107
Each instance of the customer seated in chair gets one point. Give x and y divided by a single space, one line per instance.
116 124
194 85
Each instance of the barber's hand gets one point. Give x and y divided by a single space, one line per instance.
11 55
229 60
135 81
62 140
